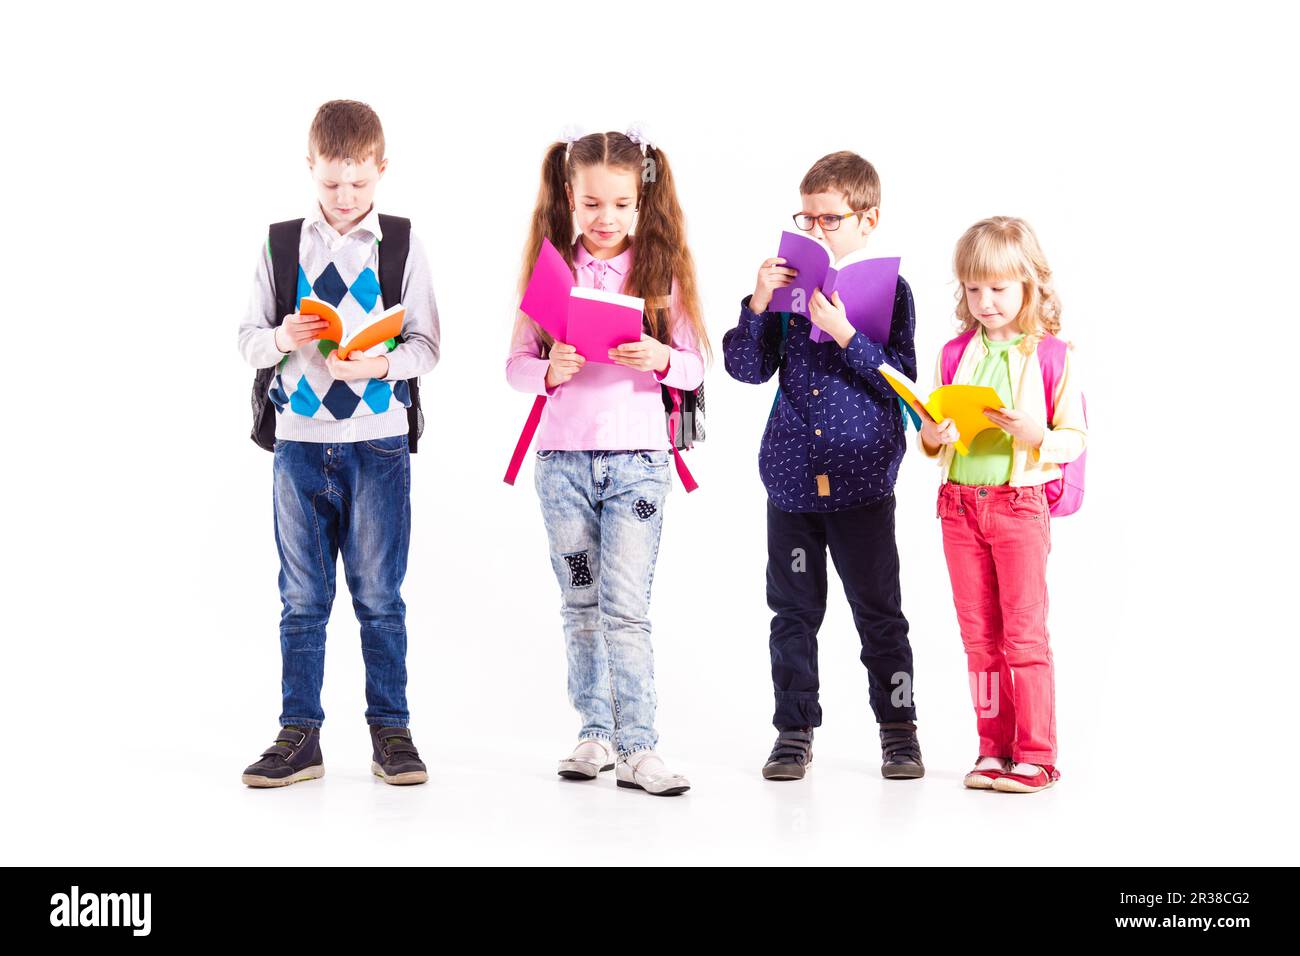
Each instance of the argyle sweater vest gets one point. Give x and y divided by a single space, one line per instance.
347 278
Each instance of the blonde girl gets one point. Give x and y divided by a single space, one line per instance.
994 504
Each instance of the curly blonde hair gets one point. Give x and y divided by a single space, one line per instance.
1005 248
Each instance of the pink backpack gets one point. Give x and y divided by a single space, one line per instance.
1064 494
674 423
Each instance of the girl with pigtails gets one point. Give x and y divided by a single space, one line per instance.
608 204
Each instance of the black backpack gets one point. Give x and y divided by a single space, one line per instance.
692 414
283 243
692 408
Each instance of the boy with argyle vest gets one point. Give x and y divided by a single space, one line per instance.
342 430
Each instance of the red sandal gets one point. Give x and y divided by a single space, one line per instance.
982 778
1027 783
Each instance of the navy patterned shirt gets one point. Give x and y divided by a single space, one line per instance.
836 436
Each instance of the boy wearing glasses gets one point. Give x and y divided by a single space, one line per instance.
829 457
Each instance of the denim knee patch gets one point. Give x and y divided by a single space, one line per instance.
579 570
644 509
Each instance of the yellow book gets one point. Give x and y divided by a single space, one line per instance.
964 404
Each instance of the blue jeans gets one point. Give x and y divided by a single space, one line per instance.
353 497
604 512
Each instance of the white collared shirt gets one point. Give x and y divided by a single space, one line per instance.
349 254
332 238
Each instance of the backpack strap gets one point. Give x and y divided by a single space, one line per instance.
674 420
393 249
525 439
1051 361
283 243
684 473
785 325
535 417
951 358
910 414
392 256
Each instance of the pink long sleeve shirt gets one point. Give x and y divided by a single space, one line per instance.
605 407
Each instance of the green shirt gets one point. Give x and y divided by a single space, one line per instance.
989 461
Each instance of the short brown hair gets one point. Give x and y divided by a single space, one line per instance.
346 129
847 173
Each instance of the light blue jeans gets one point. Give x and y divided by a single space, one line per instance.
604 512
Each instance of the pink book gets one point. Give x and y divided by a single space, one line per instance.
866 286
591 320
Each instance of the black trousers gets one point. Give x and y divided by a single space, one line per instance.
861 543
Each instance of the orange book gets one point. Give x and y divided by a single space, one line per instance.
371 330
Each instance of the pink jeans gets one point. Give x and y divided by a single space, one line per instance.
996 540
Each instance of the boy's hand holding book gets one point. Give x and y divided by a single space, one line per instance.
356 367
866 288
772 275
830 316
297 330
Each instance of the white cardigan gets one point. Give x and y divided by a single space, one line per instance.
1063 442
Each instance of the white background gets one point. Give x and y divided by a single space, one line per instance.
147 147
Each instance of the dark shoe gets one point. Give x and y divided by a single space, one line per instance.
294 756
396 760
900 752
790 756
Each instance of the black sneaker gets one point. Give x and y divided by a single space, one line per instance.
396 760
900 752
294 756
790 756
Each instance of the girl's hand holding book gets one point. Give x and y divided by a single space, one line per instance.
933 433
1017 425
565 363
648 355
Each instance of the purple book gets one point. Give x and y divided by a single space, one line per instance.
591 320
866 286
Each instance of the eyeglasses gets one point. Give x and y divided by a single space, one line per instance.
829 221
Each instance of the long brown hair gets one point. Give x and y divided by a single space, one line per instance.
660 252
